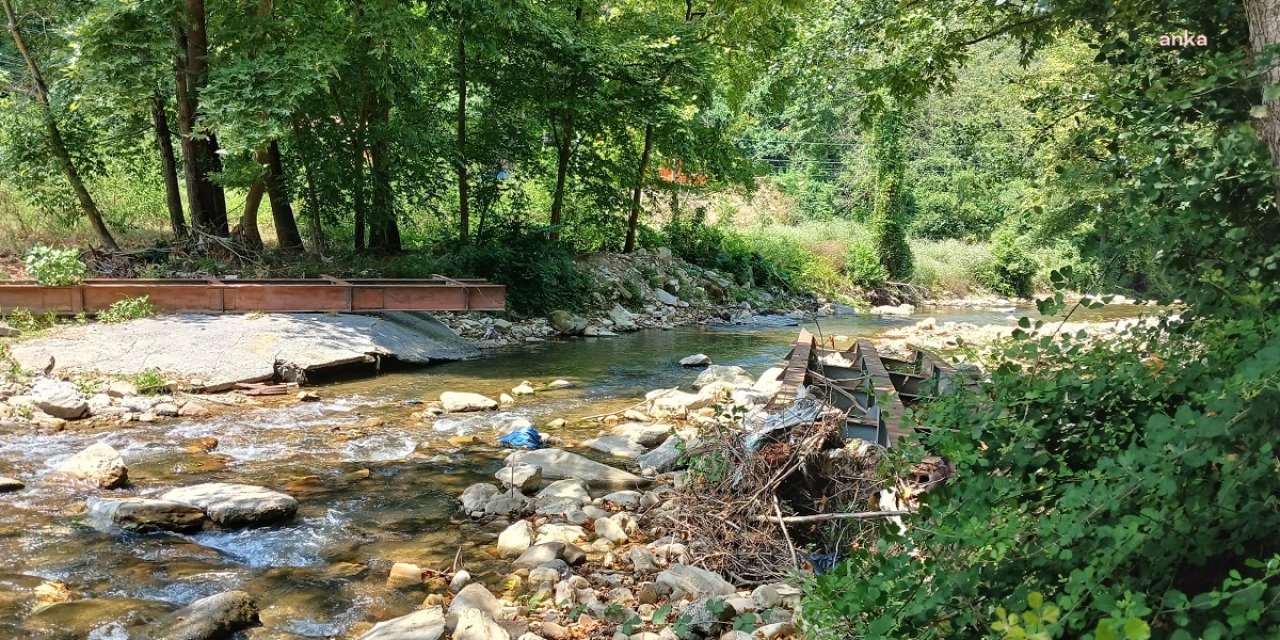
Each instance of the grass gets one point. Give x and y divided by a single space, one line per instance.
949 266
127 309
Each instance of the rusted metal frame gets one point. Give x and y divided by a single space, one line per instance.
796 371
891 409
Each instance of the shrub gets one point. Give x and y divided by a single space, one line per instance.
1011 270
128 309
26 322
53 267
150 382
936 217
863 267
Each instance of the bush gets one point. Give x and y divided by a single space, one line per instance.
1134 501
26 322
1011 270
936 217
52 267
863 267
128 309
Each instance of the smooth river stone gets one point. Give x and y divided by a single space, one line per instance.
557 464
236 505
144 515
424 624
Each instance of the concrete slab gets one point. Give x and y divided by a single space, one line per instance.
224 350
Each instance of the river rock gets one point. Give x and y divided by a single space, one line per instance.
474 624
566 323
662 296
707 616
682 579
570 488
695 360
644 434
59 399
236 505
459 402
9 484
145 515
566 533
404 575
473 596
213 618
674 403
557 464
100 464
626 499
508 505
476 496
663 458
900 310
616 446
642 561
623 320
7 331
121 389
540 554
515 539
736 376
524 477
424 624
522 389
83 618
610 530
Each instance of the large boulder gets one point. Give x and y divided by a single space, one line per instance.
663 458
623 320
644 434
473 597
59 399
557 464
213 618
99 465
566 323
523 477
236 505
423 624
459 402
683 579
145 515
674 403
736 376
616 446
665 298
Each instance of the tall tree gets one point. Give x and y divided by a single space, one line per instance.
56 143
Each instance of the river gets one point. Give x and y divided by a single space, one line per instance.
367 499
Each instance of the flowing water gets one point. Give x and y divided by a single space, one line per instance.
375 485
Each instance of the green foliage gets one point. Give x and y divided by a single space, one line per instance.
53 267
892 201
127 309
863 266
26 322
1011 269
150 382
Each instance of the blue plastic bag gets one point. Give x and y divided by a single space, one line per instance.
522 438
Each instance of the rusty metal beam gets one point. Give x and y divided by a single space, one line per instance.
212 295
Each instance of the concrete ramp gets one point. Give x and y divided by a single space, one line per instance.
220 351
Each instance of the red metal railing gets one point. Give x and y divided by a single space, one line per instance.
213 295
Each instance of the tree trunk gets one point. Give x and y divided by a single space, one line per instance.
563 152
464 213
56 142
1263 17
247 231
287 234
384 233
168 167
634 220
205 197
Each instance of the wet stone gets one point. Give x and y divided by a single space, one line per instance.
212 618
99 465
9 484
236 505
424 624
144 515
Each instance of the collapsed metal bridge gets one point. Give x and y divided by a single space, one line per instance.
872 390
214 295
